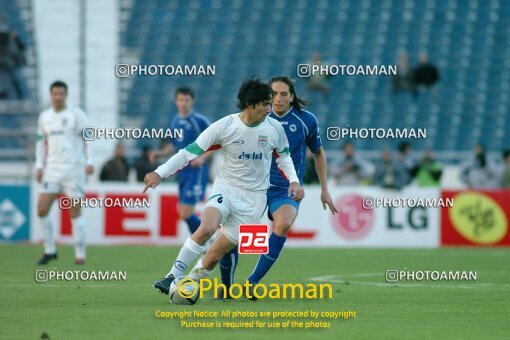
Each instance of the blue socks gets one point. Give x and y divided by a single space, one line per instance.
266 261
193 223
228 262
228 266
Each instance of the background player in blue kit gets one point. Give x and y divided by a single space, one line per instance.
302 130
193 178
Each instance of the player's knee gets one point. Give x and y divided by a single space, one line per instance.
185 213
210 261
42 211
281 226
203 233
75 212
214 256
186 210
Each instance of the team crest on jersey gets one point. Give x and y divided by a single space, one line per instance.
262 141
292 127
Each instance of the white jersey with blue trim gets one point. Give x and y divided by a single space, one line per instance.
247 152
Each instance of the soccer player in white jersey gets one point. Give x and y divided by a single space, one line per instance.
62 161
248 140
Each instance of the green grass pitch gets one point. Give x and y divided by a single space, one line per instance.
126 309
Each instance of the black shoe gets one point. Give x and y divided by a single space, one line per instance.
47 258
249 292
164 284
221 296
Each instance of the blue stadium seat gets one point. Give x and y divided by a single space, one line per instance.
468 41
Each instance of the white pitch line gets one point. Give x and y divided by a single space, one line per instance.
341 279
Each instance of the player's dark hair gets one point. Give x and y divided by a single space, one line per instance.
506 153
252 92
58 83
298 103
185 90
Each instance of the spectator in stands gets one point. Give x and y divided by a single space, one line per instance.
318 81
144 165
479 172
403 80
12 57
117 168
349 170
425 74
406 160
505 173
428 172
389 173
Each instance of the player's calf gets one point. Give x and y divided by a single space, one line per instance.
266 261
204 232
228 264
218 249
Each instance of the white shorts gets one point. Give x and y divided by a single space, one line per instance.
237 206
70 181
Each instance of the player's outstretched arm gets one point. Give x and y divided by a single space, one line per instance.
321 166
169 168
167 150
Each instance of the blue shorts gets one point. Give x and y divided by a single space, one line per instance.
276 197
192 185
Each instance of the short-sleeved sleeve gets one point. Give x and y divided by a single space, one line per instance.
313 139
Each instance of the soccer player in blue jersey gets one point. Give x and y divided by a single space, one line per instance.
193 178
302 130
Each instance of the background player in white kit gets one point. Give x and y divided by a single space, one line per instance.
248 141
62 160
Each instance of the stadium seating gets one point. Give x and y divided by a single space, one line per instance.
17 118
466 40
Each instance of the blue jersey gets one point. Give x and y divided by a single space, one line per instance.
302 130
192 126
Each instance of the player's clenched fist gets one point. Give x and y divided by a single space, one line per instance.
296 191
151 180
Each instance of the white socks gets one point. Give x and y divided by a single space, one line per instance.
48 235
188 253
79 236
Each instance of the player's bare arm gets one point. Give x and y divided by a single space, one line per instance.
321 166
167 150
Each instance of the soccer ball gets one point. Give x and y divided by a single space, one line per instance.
184 291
